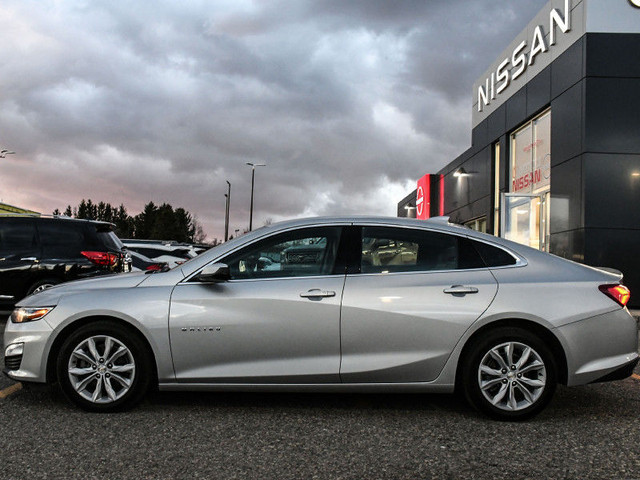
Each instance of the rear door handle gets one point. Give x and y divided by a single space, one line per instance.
29 259
460 290
316 292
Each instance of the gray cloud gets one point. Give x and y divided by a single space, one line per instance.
348 102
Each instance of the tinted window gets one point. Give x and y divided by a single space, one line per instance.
299 253
110 240
62 235
494 256
17 236
386 249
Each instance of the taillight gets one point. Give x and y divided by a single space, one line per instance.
102 258
153 268
619 293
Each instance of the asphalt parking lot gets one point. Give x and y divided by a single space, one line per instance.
586 432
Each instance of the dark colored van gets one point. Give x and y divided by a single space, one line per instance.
39 252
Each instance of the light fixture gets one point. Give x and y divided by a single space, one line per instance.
461 172
635 174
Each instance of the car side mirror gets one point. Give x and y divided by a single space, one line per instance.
215 272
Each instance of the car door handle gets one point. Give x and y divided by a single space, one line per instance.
316 292
29 259
460 290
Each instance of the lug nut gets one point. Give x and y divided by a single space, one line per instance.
94 367
110 365
504 381
513 367
504 370
108 375
519 375
101 360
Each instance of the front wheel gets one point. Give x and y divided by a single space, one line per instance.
104 367
509 374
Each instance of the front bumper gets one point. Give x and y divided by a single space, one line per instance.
34 337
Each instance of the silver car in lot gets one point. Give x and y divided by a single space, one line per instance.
335 304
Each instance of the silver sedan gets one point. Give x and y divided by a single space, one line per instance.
335 304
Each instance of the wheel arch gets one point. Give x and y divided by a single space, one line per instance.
541 331
70 328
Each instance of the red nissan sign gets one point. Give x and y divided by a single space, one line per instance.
423 195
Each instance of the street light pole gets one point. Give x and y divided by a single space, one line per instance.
226 213
253 176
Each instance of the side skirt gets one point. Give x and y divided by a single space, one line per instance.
329 387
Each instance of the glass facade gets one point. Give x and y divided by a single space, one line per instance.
525 209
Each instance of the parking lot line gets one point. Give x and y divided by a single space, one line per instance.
636 376
10 390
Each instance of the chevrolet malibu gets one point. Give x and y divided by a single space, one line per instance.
335 304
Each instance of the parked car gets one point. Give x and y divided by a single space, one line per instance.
499 321
140 262
39 252
170 253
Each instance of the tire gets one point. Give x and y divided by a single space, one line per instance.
509 390
41 285
104 383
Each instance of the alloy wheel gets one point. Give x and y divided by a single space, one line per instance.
101 369
512 376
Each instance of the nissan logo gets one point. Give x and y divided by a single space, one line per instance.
635 3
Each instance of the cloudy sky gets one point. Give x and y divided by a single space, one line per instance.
348 102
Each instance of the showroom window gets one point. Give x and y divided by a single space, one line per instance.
525 209
477 224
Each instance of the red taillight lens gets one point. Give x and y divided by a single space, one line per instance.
154 268
619 293
102 258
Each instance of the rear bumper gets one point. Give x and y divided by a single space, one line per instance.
619 374
599 346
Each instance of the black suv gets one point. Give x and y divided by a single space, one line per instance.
38 252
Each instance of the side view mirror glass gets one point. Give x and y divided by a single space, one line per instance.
215 272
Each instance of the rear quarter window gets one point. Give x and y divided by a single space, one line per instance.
493 256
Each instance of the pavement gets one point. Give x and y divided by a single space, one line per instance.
588 432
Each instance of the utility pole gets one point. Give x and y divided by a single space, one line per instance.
253 176
226 214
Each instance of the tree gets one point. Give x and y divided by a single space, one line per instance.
154 222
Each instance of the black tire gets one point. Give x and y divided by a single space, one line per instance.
514 387
113 374
46 283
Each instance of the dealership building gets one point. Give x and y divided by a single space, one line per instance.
555 155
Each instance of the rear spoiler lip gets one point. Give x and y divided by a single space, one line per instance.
612 271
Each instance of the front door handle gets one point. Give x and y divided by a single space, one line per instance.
29 259
316 292
460 290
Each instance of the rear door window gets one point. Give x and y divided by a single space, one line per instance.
390 249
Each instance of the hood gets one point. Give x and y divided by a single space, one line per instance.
52 295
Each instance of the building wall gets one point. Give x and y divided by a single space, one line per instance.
593 89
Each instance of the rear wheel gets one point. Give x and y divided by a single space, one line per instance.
509 374
104 367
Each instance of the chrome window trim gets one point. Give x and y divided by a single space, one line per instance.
520 261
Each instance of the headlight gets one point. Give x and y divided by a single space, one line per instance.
21 315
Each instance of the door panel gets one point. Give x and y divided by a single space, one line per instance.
257 331
402 327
